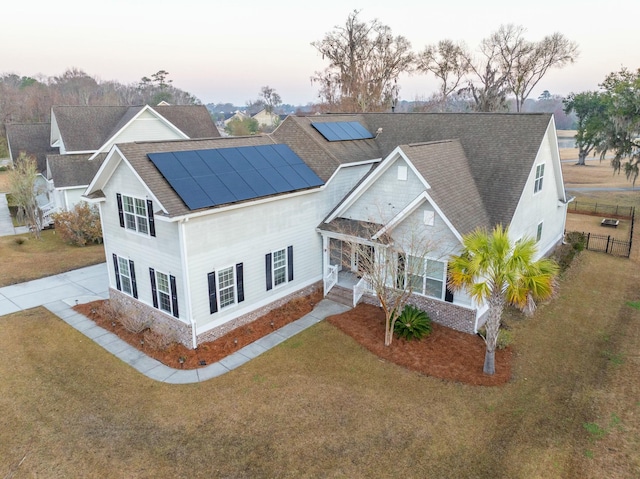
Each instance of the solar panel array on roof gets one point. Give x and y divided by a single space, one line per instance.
204 178
342 130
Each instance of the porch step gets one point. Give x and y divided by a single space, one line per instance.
341 295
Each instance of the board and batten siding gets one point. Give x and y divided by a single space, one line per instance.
388 196
147 127
161 252
543 206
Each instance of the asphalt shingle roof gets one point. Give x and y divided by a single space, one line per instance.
31 138
73 170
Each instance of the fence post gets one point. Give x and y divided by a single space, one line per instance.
608 239
588 236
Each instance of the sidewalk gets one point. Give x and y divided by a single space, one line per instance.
59 293
6 224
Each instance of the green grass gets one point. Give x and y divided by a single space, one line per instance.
320 405
25 258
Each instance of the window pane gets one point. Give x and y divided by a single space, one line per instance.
433 288
279 276
226 287
142 225
130 221
435 269
141 207
127 203
164 301
415 282
162 282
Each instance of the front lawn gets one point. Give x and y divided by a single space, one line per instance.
25 258
320 405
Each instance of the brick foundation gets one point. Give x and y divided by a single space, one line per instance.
223 329
447 314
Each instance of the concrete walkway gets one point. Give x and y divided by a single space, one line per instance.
59 293
6 224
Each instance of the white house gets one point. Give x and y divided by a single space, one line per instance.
207 235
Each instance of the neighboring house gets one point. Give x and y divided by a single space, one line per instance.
268 120
207 235
238 115
70 149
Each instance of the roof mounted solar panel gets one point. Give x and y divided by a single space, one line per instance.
206 178
342 130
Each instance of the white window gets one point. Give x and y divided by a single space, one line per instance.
279 268
135 214
125 275
426 276
429 217
539 177
402 172
163 290
539 233
226 286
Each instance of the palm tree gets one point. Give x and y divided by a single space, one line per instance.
498 272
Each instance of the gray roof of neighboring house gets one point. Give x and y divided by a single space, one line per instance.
31 138
87 128
73 170
500 148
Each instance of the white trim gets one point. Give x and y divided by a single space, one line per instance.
134 118
395 155
286 268
186 283
410 208
101 171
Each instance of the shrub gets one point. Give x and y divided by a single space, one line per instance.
505 337
135 320
413 323
79 226
160 336
574 242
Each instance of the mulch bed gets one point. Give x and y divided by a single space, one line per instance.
445 353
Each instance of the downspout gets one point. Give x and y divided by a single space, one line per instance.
186 282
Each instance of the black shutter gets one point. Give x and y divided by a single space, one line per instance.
400 278
117 270
240 282
154 292
448 294
213 300
134 286
290 262
152 224
174 296
267 264
120 211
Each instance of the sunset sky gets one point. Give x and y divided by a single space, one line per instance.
226 51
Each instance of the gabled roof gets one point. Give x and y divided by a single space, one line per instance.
31 138
444 165
87 128
323 156
136 154
73 170
500 148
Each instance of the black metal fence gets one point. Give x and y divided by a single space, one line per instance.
608 244
600 209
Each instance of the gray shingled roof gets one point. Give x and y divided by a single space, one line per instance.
73 170
31 138
87 128
444 165
136 154
500 148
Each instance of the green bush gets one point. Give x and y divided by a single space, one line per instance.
574 243
413 323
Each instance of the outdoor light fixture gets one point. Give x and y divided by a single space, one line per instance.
235 341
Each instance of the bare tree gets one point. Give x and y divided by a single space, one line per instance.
508 63
365 60
270 98
448 61
390 261
22 180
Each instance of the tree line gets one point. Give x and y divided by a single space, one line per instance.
608 121
366 59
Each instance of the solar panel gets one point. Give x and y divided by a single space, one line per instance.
342 130
205 178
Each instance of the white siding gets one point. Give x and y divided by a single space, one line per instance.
387 197
245 235
161 253
146 127
543 206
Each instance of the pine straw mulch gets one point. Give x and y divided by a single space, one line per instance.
445 353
